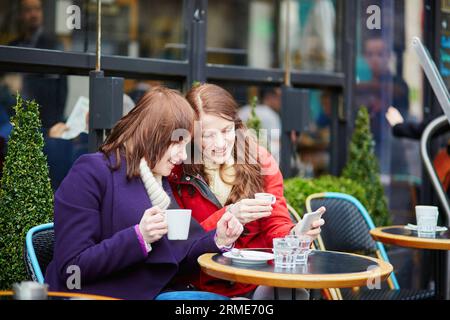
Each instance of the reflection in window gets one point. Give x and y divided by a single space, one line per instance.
255 33
312 147
388 74
62 146
312 34
144 28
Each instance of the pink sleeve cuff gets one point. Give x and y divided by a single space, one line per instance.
145 249
223 248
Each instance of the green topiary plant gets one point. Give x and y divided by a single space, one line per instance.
362 167
26 197
254 124
296 190
253 121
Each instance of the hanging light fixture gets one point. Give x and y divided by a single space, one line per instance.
294 106
105 95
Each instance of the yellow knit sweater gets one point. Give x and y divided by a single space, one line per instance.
218 186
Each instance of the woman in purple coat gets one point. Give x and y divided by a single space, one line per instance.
110 231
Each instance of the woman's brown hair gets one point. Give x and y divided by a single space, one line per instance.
147 130
214 100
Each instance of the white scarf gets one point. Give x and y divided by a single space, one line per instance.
153 186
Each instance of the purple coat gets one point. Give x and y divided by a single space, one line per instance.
95 212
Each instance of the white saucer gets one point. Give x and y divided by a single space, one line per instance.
249 257
413 227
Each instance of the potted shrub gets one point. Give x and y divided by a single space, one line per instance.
296 190
362 167
361 177
26 197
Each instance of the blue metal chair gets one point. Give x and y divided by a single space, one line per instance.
38 251
190 295
347 229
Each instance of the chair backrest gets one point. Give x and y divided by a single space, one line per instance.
329 294
347 226
38 252
293 214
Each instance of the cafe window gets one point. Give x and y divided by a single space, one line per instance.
148 29
252 33
388 74
58 96
312 148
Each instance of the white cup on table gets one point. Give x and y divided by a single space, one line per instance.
178 222
427 217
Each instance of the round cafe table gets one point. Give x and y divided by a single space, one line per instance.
325 269
440 244
8 295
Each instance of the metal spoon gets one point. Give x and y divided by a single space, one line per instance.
236 252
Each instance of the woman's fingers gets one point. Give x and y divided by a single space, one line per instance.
233 227
237 230
314 232
157 218
157 226
252 216
247 208
318 223
154 211
256 202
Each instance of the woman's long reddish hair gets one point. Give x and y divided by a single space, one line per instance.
214 100
147 130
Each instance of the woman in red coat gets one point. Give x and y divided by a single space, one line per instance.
226 170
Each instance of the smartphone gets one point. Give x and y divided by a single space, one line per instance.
308 220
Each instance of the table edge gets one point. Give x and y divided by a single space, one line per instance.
307 281
66 295
409 242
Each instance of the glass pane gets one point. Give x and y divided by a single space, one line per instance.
56 109
388 74
313 145
445 42
252 33
136 28
268 106
312 157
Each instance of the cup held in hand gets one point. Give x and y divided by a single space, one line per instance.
178 222
266 196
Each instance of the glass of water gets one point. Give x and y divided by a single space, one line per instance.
426 217
304 249
285 252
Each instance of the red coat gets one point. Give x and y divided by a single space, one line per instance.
193 193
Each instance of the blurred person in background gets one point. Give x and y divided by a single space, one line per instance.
269 114
10 84
414 130
50 91
383 90
62 153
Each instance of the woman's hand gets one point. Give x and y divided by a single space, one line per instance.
153 225
248 210
316 230
394 117
57 130
228 230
